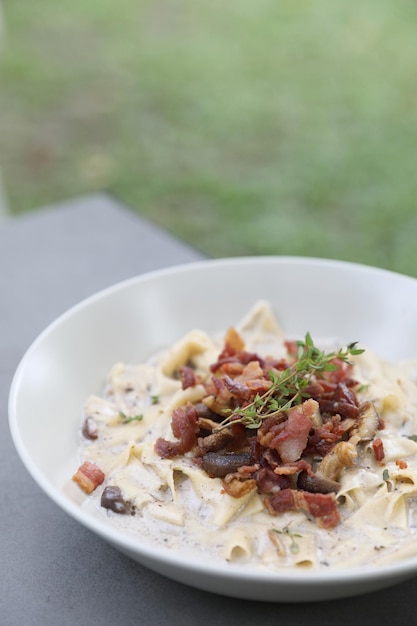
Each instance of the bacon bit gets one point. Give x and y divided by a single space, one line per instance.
324 438
184 427
88 477
340 399
277 365
270 482
289 438
248 383
344 394
232 368
378 448
188 377
293 468
322 506
238 389
234 341
381 423
248 470
252 371
401 463
239 357
282 502
341 373
265 456
292 347
219 397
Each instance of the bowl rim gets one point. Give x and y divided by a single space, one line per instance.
128 543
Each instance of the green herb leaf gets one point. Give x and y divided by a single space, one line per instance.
127 419
294 547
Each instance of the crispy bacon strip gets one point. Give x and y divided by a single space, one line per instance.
88 477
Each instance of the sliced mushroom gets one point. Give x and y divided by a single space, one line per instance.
220 464
343 455
89 428
367 422
317 483
216 441
204 412
112 498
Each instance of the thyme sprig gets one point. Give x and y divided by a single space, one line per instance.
289 386
294 546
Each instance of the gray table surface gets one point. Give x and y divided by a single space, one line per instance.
53 571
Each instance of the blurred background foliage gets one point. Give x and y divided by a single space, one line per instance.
245 127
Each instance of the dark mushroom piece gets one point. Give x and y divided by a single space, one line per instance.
89 428
215 441
220 464
112 498
204 411
367 423
316 483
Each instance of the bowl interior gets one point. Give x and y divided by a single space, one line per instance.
130 321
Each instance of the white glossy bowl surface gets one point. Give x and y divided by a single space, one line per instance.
133 319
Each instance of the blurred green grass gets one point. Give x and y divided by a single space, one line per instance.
272 127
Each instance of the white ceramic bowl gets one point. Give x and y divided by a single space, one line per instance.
131 320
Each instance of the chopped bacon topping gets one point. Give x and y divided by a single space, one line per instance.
188 377
337 398
270 482
88 477
293 457
184 427
378 448
322 506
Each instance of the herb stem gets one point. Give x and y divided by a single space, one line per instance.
289 387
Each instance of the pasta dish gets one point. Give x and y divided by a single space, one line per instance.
256 448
